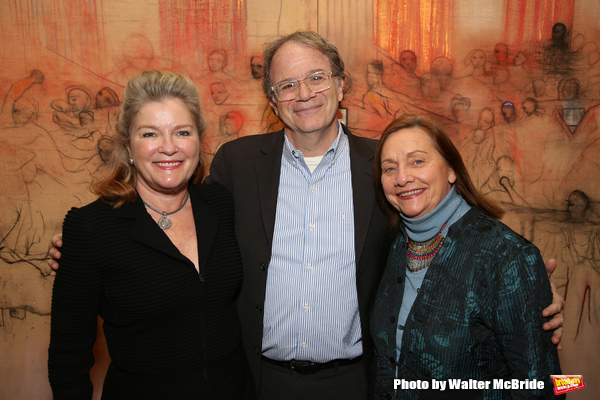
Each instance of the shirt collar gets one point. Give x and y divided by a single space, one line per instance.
291 154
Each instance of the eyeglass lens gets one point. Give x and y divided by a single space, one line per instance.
316 82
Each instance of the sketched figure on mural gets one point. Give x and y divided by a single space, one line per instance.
378 98
505 184
76 110
60 162
571 110
137 55
479 148
404 77
36 162
573 237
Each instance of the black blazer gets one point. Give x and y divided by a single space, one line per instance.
249 167
160 316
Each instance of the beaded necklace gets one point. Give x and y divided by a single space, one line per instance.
424 251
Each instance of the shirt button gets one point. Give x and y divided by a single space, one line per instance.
311 227
313 188
306 307
304 345
309 267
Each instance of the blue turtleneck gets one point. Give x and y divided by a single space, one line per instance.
450 210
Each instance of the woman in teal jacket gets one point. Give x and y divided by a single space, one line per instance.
462 294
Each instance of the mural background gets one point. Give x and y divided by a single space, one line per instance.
519 94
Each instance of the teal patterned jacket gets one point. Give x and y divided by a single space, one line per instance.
478 315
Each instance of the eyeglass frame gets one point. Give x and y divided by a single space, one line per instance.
299 81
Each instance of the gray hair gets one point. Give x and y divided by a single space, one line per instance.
307 38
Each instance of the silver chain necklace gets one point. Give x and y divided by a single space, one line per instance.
165 222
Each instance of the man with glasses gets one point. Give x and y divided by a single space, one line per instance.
312 238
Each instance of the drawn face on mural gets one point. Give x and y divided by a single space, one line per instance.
539 87
520 58
138 52
165 146
578 204
508 112
415 177
486 120
216 62
442 68
506 168
373 76
106 97
219 92
528 107
559 31
408 61
257 67
569 90
78 99
230 124
477 59
22 113
501 53
430 86
309 112
459 112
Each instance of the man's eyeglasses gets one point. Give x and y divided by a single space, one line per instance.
317 82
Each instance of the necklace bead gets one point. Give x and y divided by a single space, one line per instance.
421 258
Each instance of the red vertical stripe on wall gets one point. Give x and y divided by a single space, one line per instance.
196 27
422 26
531 21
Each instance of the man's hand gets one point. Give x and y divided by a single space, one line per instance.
54 253
556 309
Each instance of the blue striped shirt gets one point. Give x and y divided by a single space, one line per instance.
311 304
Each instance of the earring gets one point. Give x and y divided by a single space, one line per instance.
130 160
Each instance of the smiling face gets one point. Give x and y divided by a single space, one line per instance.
165 146
309 112
415 177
